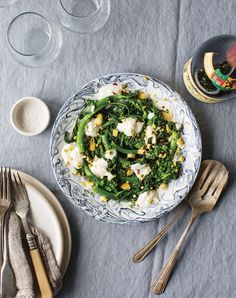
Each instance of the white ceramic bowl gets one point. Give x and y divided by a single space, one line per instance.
30 116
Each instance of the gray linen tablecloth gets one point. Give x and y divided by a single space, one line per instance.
153 37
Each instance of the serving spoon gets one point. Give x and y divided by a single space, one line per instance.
141 254
203 198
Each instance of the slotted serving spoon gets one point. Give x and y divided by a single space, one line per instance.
211 181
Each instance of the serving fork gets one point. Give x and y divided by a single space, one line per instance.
8 284
142 253
21 206
203 198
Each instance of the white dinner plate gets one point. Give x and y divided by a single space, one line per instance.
47 215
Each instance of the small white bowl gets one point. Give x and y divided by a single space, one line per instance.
30 116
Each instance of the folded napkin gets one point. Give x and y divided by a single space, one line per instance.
21 262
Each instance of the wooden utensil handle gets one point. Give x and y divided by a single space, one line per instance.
159 284
41 275
1 238
140 255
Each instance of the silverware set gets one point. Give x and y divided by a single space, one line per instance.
14 197
7 287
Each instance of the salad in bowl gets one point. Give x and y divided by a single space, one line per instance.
125 148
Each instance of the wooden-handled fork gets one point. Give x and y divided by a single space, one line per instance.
22 208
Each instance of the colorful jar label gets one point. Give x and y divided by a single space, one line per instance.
219 80
192 87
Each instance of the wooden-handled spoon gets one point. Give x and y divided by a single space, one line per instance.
204 196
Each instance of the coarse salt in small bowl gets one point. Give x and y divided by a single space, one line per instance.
30 116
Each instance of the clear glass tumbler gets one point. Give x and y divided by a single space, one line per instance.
83 16
33 40
4 3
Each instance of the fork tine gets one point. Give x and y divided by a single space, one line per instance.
210 178
221 185
4 184
18 175
1 174
1 181
18 187
217 180
9 184
204 175
23 186
14 177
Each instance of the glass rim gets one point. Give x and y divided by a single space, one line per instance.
12 22
77 17
6 3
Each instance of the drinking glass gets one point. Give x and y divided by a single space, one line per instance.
83 16
6 2
33 40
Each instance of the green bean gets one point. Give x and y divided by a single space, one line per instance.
100 104
139 144
164 176
82 124
136 116
103 192
80 133
122 137
124 150
108 123
121 104
89 174
111 98
106 142
173 144
131 179
124 162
